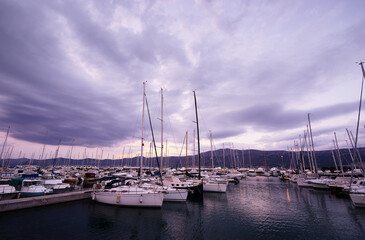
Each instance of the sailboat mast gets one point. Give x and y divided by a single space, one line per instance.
302 153
306 145
161 130
56 154
186 158
358 116
2 150
141 160
197 131
194 149
338 154
211 148
351 138
224 158
314 153
44 146
72 145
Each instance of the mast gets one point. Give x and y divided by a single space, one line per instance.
306 145
238 159
121 162
358 117
161 130
243 158
166 154
224 158
334 159
352 159
2 150
44 146
142 143
357 150
311 140
211 148
310 150
302 153
338 154
72 145
249 157
153 141
234 157
194 150
186 158
351 138
197 131
56 154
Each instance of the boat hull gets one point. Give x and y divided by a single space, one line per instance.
8 192
178 195
358 199
195 191
129 199
215 187
7 196
33 194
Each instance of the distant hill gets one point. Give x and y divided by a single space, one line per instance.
232 158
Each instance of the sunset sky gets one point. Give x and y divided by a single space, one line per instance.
75 70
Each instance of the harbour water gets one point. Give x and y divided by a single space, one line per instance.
256 208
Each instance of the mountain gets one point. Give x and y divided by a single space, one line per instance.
230 158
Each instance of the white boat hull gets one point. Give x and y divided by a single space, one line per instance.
8 192
358 199
146 199
215 187
175 195
33 190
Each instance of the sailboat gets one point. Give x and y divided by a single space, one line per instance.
134 195
170 194
217 183
358 196
194 186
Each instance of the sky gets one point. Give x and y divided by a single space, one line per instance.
72 73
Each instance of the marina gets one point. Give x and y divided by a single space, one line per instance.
256 208
206 119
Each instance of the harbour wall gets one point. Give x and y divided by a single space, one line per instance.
21 203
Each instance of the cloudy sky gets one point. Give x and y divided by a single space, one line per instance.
74 71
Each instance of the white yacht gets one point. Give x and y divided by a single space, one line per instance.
30 187
215 185
132 196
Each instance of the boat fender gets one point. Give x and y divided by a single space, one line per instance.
93 196
141 199
118 198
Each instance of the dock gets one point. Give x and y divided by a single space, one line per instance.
29 202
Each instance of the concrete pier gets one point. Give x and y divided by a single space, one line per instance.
21 203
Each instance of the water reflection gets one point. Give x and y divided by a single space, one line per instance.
123 222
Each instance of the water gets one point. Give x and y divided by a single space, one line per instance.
257 208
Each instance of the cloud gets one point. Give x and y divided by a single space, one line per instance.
274 117
75 69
